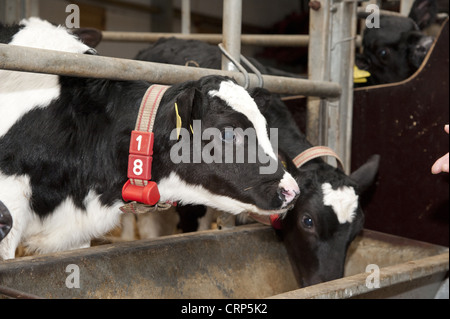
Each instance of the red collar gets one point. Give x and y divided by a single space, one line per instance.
139 187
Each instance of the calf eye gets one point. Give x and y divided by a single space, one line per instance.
231 135
228 135
307 222
383 53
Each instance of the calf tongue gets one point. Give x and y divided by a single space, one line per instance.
273 220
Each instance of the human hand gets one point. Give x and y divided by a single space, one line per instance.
441 165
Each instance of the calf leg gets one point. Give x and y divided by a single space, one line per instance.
156 224
128 221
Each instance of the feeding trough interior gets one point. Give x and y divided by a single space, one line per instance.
243 262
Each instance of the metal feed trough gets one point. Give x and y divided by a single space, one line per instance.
246 261
243 262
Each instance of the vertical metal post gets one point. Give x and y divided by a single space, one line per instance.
342 62
231 37
318 66
405 7
231 29
186 16
332 45
12 11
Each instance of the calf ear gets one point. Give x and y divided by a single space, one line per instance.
5 221
189 107
89 36
424 12
262 98
365 175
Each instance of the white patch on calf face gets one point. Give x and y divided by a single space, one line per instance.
240 101
174 189
290 187
343 200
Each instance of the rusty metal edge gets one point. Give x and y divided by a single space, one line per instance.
16 294
356 285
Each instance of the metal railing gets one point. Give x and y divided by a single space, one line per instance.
331 43
17 58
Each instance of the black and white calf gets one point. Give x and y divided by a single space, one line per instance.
196 53
64 145
328 215
395 50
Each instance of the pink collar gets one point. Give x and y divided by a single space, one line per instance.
139 186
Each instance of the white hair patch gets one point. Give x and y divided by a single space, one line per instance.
240 101
41 34
343 200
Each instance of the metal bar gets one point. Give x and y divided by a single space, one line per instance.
16 294
237 65
405 7
231 28
342 61
250 39
185 16
17 58
318 64
355 285
331 58
12 11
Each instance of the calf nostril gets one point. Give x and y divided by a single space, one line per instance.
287 195
282 194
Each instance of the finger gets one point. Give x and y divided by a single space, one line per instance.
441 165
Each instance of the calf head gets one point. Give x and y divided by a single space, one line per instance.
325 220
223 156
394 51
327 215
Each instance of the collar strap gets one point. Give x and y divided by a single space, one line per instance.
315 152
139 187
299 161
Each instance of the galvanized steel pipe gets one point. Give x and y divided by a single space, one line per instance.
17 58
279 40
186 16
231 28
285 40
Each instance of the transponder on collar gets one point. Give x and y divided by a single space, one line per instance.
139 187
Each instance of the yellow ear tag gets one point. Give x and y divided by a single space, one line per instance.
178 121
360 76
